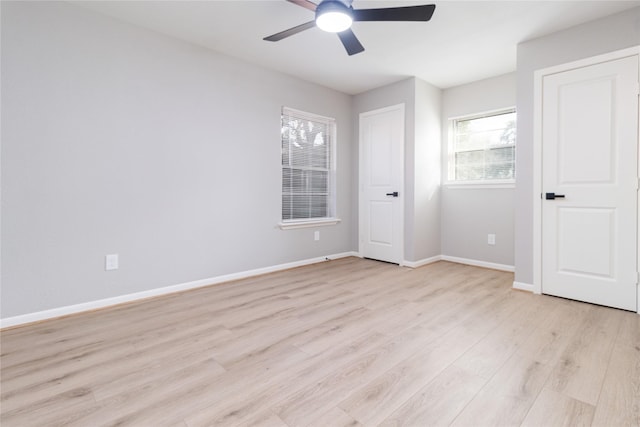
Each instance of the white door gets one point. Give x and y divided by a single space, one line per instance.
590 183
381 184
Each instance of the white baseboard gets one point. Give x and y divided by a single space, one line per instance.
523 286
420 263
485 264
108 302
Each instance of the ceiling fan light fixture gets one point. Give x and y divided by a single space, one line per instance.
336 16
333 16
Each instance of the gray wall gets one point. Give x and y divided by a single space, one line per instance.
605 35
424 237
116 139
468 213
422 154
120 140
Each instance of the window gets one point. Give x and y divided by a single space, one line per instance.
308 157
482 148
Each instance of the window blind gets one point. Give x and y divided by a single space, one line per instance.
307 146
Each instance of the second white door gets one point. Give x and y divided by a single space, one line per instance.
381 184
590 183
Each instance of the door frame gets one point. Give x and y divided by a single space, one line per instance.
538 78
361 177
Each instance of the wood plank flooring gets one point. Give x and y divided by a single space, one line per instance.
349 342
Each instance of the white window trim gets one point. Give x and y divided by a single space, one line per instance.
332 219
294 224
488 183
498 183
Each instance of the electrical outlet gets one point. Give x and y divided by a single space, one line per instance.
316 235
111 262
491 239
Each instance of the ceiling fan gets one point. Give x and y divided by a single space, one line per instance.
336 16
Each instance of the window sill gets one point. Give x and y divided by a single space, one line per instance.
480 184
292 225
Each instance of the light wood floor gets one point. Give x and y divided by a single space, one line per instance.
344 343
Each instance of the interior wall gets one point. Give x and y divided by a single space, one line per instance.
425 238
470 213
120 140
422 158
612 33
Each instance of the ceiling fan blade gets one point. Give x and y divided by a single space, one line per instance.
305 3
350 42
291 31
407 13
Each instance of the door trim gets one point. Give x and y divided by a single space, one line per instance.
361 178
538 77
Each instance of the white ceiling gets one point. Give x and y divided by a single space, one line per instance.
464 41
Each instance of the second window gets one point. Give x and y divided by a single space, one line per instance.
482 148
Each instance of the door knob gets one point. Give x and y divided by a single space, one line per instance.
553 196
394 194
